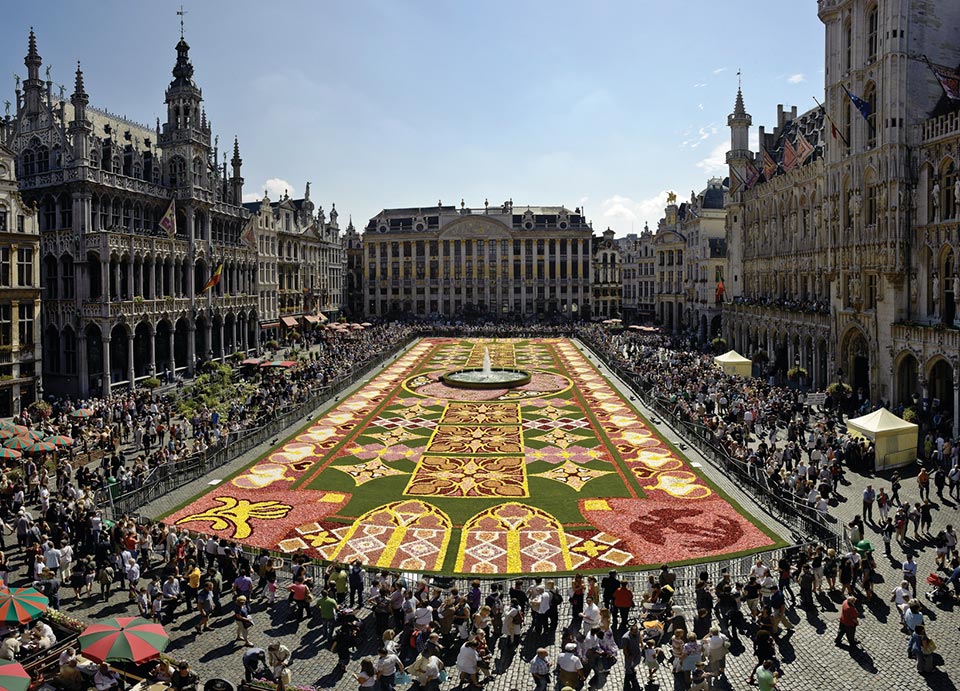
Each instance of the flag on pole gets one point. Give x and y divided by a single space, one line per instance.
804 148
949 79
248 235
834 130
720 291
789 155
860 104
214 279
752 174
769 165
736 180
168 222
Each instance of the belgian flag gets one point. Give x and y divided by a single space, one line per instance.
214 279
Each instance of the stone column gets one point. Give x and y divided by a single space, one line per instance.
523 276
173 352
130 281
104 278
191 348
152 353
83 370
816 378
105 352
222 343
131 369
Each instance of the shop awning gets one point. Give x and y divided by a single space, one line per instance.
321 316
312 319
269 325
289 321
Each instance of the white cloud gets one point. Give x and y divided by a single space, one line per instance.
626 212
796 78
719 70
699 106
716 161
699 84
274 187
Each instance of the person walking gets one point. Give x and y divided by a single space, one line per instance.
540 670
869 497
849 619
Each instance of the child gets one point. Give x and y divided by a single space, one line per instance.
143 602
651 658
157 606
699 678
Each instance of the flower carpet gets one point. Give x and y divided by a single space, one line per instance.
561 474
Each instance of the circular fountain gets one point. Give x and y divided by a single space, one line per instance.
486 377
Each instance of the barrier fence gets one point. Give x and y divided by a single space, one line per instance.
168 477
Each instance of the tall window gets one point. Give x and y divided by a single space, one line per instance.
847 45
4 215
5 266
871 291
871 205
5 326
26 324
25 266
870 96
845 115
948 202
873 21
69 352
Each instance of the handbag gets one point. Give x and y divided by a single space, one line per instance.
402 678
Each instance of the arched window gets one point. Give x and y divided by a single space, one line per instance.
28 163
948 202
847 45
873 25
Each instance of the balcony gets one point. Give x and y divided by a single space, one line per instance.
934 336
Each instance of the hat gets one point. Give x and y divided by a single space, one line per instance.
570 647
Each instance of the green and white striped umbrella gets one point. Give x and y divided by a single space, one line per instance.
123 639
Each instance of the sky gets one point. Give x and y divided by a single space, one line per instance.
605 105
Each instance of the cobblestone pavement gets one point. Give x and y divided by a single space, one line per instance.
810 659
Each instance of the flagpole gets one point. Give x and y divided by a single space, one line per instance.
832 123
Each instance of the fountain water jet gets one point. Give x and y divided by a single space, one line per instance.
486 377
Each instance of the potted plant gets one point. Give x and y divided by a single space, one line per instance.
796 373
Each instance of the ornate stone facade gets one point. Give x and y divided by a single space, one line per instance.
845 263
607 280
301 262
494 262
20 382
670 245
123 299
639 276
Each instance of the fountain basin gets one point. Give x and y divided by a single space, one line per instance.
476 378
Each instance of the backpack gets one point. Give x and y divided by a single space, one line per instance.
518 617
556 599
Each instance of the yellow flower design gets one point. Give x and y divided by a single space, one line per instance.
237 513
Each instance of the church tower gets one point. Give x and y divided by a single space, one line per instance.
738 157
185 138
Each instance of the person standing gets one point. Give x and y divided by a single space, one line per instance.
244 622
387 666
849 618
869 497
632 645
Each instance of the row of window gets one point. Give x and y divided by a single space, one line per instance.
5 222
408 250
25 324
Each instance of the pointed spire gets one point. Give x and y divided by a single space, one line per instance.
236 151
350 228
32 55
738 109
78 91
306 192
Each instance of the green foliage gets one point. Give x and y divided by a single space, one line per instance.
910 414
214 389
150 383
40 409
839 389
272 344
796 373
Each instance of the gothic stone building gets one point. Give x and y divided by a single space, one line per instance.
491 262
122 300
870 227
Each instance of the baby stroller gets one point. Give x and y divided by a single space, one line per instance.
940 592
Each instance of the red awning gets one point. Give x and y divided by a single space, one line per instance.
251 361
270 325
312 319
322 316
289 321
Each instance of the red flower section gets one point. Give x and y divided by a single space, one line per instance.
261 518
667 530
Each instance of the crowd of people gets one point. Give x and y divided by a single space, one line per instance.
423 629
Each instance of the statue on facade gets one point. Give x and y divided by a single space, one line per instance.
935 200
935 286
956 287
914 289
854 288
855 201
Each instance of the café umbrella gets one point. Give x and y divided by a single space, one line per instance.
9 453
6 433
60 440
21 605
18 443
82 412
123 639
42 446
13 677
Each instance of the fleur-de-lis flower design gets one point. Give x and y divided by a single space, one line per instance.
237 513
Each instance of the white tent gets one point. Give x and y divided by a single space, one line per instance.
895 439
733 362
